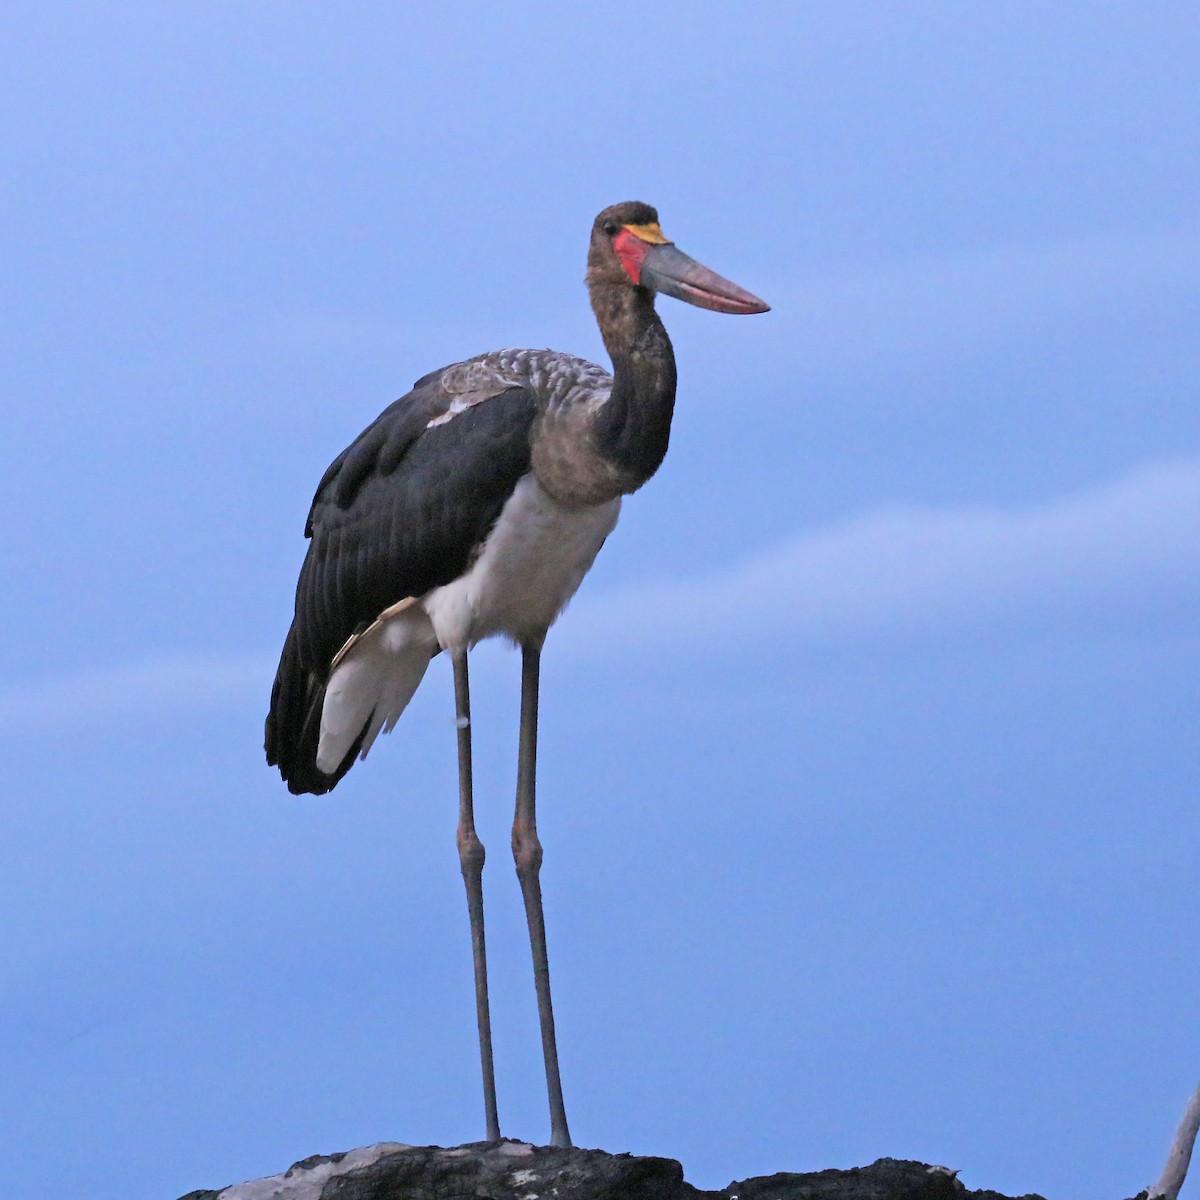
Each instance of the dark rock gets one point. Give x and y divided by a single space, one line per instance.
511 1170
885 1179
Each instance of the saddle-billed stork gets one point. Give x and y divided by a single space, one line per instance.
471 507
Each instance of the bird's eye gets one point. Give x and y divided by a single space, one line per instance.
610 227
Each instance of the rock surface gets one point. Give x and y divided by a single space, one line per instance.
511 1170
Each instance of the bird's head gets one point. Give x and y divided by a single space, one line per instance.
628 249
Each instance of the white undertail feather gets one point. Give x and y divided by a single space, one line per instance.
375 676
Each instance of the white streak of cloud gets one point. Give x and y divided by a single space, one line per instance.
169 681
1127 551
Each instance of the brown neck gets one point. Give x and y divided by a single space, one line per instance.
633 427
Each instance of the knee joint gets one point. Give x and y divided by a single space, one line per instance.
470 851
527 850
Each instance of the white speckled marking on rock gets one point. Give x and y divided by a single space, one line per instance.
306 1184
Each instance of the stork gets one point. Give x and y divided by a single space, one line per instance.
473 507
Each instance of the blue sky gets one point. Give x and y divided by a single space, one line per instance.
869 758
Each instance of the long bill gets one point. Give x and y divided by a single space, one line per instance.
666 269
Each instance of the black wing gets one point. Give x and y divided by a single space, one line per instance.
401 511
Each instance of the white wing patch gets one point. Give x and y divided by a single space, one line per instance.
461 403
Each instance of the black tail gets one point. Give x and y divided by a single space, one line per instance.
293 727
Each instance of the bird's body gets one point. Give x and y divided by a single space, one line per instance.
503 554
473 507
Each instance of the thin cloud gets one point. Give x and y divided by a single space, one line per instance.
152 683
1125 551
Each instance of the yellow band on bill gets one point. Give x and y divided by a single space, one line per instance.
649 233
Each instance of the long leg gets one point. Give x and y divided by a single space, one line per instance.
470 856
527 851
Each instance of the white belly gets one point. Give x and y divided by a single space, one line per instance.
530 566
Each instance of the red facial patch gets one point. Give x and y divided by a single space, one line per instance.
631 250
